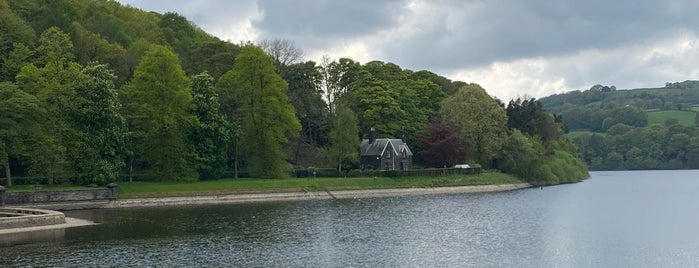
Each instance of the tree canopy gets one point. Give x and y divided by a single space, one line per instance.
94 92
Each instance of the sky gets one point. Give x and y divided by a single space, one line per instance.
512 48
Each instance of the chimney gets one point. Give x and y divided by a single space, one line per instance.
372 135
401 134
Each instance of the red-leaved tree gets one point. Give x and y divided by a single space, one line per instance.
441 145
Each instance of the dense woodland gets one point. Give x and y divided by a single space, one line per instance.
651 128
93 92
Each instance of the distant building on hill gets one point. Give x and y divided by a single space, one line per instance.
385 154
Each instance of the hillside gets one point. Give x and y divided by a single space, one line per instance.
645 128
92 91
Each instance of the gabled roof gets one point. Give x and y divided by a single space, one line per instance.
380 145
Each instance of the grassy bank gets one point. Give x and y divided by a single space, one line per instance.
234 186
239 186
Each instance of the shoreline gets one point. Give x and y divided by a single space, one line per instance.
277 197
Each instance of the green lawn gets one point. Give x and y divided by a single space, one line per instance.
685 118
233 186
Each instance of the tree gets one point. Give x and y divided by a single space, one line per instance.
158 105
21 55
100 126
54 84
530 117
307 99
283 51
480 120
20 118
336 78
211 135
344 142
442 145
55 48
267 119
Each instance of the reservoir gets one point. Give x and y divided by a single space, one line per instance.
613 219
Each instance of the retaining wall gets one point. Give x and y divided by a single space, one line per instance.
25 217
53 196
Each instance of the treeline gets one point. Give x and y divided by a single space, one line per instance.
669 146
617 133
92 92
674 96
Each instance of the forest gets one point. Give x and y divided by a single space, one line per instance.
92 91
648 128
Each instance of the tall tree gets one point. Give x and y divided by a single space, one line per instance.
267 119
20 117
100 125
54 83
211 135
336 78
344 137
158 105
480 120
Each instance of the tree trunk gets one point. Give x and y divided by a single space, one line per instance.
8 174
235 160
131 169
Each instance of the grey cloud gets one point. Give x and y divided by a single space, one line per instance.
481 32
326 18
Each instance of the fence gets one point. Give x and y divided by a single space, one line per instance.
331 172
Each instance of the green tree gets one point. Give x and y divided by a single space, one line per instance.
100 125
344 139
267 119
55 48
14 32
530 117
21 55
20 118
157 106
307 98
55 85
211 135
480 120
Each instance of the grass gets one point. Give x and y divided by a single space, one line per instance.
685 118
240 186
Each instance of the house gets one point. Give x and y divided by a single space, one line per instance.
386 154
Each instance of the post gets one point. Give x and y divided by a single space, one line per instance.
112 190
2 196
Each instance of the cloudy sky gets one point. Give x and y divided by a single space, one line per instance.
513 48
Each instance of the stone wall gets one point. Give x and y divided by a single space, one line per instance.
52 196
23 217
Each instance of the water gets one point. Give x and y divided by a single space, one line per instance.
614 219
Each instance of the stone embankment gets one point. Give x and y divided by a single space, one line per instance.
298 196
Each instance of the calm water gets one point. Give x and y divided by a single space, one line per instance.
614 219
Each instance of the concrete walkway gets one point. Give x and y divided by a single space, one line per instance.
70 222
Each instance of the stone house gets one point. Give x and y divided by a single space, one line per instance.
385 154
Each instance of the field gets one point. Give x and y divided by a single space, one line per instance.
685 118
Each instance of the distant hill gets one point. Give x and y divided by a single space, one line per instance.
644 128
673 96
